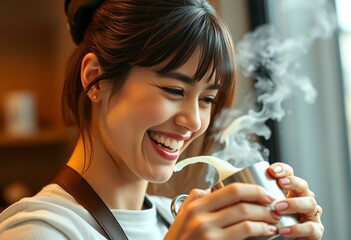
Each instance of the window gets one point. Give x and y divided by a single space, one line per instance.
313 138
344 20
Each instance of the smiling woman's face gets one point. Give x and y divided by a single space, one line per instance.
154 117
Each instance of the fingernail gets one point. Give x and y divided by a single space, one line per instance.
285 181
277 169
280 206
284 230
272 228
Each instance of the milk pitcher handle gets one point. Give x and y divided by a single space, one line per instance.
176 203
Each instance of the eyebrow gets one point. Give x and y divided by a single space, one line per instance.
186 79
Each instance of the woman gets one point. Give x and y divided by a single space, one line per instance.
146 79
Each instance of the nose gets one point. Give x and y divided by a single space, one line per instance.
189 117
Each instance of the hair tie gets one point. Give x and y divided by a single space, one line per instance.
79 14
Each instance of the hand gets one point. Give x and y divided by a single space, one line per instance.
300 201
237 211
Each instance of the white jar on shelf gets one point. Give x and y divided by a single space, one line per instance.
20 118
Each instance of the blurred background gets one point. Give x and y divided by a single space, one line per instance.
34 48
314 138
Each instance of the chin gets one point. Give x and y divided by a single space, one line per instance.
160 177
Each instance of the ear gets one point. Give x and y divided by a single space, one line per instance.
90 70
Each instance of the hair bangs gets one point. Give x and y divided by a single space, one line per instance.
215 58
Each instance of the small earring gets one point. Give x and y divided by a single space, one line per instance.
94 97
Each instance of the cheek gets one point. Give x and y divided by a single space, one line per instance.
205 121
154 115
156 111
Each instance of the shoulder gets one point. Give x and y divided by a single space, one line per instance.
51 214
30 230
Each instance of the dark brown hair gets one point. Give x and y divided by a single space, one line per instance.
144 33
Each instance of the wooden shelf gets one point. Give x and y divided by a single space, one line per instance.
42 137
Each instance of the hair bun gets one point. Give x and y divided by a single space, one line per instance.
79 13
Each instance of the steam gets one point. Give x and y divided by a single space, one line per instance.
272 61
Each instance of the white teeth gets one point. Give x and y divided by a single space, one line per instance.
168 142
171 143
174 144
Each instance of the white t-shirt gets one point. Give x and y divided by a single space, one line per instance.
54 214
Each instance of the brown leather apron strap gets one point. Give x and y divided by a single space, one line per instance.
79 188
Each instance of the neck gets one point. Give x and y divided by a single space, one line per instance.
110 178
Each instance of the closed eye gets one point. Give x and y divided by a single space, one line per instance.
209 100
173 91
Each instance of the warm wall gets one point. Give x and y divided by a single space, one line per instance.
34 48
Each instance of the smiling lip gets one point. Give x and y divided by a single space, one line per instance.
167 147
171 156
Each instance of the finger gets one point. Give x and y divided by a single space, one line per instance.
296 187
316 217
243 211
234 193
248 229
306 206
319 212
197 193
309 230
279 170
229 195
193 195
